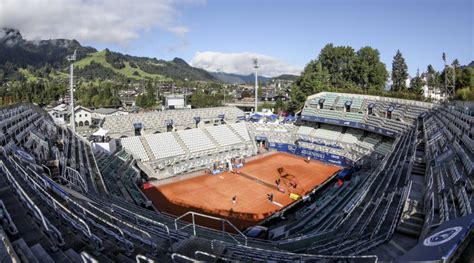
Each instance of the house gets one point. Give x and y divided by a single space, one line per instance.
83 116
175 102
60 113
434 93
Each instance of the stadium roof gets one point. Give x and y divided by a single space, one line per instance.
105 111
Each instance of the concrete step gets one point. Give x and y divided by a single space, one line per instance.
24 252
407 230
411 224
418 217
73 256
4 255
41 254
388 252
147 147
397 247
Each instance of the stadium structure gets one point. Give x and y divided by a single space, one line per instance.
353 178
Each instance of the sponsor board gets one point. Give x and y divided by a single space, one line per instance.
442 237
314 154
351 124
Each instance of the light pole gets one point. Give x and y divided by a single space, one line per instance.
255 65
72 58
224 94
185 90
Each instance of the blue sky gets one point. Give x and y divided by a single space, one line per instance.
286 35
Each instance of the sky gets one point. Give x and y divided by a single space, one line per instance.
224 35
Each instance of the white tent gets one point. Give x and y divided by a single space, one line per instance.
100 132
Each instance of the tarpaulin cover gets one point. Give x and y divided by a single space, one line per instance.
441 243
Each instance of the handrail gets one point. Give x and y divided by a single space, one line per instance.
49 171
303 255
210 217
113 217
199 252
138 258
55 202
82 181
13 180
174 255
9 247
145 219
88 258
89 212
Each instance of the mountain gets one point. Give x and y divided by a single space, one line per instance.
22 53
20 57
286 77
33 59
115 65
231 78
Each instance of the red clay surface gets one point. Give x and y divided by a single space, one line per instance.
212 194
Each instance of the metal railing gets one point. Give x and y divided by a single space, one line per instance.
198 252
25 195
73 177
145 219
141 258
9 247
174 256
55 203
224 222
86 258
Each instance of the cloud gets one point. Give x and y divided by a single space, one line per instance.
106 21
241 63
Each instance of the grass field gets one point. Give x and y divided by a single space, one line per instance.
127 71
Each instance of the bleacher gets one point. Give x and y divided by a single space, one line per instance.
195 140
223 135
371 205
135 146
121 177
163 145
328 138
241 130
404 114
328 132
152 122
172 153
423 181
450 179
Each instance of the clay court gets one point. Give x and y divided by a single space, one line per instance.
212 194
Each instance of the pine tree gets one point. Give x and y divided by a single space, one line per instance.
399 72
432 77
416 84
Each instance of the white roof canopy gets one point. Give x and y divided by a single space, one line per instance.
100 132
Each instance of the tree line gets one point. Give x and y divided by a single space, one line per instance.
342 69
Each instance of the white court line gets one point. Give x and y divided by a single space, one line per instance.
222 177
277 204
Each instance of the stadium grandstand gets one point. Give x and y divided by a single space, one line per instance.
164 121
355 178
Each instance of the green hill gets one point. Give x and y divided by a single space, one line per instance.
106 64
127 71
22 59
